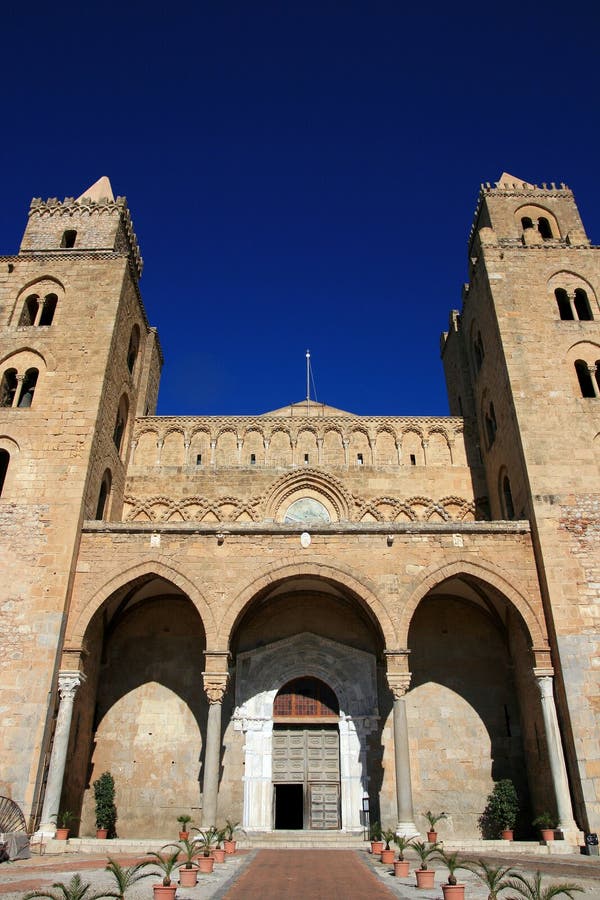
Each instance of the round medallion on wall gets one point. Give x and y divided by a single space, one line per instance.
305 539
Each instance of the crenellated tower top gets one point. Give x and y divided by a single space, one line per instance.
94 222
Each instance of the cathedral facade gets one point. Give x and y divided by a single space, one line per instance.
290 618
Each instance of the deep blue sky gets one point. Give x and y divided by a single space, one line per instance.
299 174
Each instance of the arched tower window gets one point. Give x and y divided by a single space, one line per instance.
526 222
8 387
30 310
4 461
544 228
598 374
120 422
564 304
582 305
507 499
28 389
103 496
132 352
68 239
304 697
48 309
584 377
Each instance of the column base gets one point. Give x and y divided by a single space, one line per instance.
45 832
571 834
407 829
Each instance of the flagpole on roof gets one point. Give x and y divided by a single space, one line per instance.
307 382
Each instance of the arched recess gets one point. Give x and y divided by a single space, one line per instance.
487 573
307 621
141 712
473 709
83 610
308 483
340 579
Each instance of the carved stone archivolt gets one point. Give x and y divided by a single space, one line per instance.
256 509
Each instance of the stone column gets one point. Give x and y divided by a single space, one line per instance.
558 769
68 682
215 685
399 681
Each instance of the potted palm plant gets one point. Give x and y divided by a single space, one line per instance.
375 838
219 851
106 811
206 842
63 820
184 820
433 819
188 872
75 889
425 876
532 889
546 823
401 865
231 829
387 855
125 876
495 878
167 863
452 890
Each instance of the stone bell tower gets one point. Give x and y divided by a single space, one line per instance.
77 362
523 359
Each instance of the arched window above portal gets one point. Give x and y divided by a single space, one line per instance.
304 698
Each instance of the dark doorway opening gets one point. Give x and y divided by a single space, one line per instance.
289 806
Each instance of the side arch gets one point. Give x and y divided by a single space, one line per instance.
361 590
154 565
486 572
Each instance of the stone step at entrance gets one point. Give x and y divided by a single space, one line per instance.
330 840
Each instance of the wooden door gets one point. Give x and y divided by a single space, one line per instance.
311 757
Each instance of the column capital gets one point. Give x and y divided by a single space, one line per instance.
215 686
68 682
398 684
545 681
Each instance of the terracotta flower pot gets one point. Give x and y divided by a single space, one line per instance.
453 891
401 868
164 891
425 877
432 836
377 847
387 856
547 834
219 854
62 834
229 846
508 834
206 864
102 833
188 877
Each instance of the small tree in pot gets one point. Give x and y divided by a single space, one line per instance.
106 811
206 841
501 810
167 863
495 878
547 824
125 876
375 837
188 872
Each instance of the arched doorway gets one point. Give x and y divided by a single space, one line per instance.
306 756
306 708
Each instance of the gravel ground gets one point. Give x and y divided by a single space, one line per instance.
16 878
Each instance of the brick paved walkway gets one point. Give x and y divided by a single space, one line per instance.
307 875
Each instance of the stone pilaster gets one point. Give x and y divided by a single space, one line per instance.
398 678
